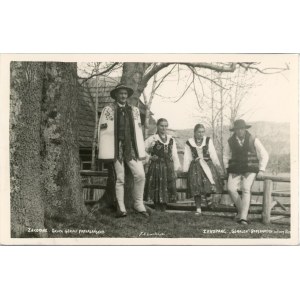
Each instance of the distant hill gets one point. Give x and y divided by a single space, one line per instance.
274 136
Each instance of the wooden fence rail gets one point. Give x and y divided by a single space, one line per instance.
267 194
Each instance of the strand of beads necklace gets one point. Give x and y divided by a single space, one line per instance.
163 138
199 141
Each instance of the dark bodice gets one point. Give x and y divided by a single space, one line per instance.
163 151
205 150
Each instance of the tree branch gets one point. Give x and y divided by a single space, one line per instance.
98 74
145 98
250 66
217 68
185 89
211 80
163 78
153 71
198 100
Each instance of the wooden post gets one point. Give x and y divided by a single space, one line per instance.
267 201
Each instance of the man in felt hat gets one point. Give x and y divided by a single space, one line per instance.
244 158
120 141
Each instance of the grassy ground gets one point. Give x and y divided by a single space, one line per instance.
163 225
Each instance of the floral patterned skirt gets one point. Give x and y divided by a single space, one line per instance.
160 184
197 181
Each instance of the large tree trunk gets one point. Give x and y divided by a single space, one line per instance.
148 103
132 76
25 173
60 168
44 154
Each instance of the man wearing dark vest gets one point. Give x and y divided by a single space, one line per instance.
120 141
244 158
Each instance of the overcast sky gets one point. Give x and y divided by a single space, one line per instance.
268 100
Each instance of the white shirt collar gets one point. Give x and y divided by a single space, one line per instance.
193 142
120 105
240 141
157 137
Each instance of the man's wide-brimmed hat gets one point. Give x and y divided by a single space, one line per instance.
240 124
121 87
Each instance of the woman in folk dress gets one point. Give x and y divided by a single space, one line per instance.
203 167
164 162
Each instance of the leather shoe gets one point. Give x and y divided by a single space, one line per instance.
121 214
143 213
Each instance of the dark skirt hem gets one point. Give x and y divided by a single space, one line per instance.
160 184
198 183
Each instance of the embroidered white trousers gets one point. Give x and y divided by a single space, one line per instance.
244 182
138 173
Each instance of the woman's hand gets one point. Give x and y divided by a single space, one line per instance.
222 172
154 157
226 172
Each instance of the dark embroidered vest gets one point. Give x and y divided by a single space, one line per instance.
244 158
125 132
121 122
164 152
205 150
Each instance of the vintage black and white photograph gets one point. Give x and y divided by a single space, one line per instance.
152 149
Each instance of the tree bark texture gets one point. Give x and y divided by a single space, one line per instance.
44 150
132 76
59 129
25 173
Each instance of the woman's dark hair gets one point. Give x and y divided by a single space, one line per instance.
160 121
198 126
